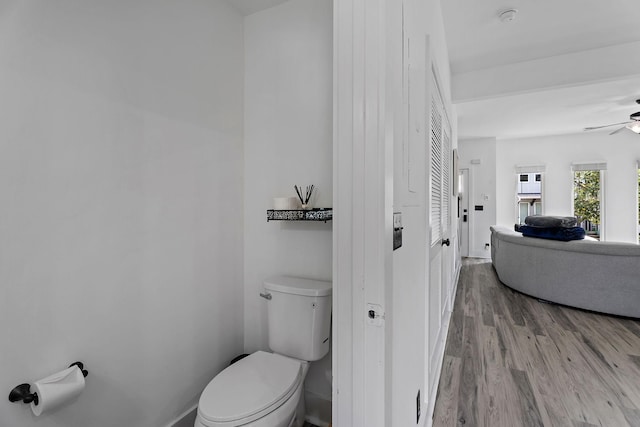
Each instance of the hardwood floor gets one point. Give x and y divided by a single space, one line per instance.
511 360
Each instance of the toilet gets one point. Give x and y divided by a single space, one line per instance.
266 389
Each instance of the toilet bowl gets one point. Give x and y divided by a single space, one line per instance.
261 390
266 389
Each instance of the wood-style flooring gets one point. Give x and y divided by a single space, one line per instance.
512 360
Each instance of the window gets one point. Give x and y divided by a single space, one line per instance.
537 208
588 197
528 192
523 208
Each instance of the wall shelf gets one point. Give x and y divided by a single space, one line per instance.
317 214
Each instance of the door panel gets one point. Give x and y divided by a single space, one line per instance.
435 308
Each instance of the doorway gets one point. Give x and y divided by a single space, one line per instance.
464 214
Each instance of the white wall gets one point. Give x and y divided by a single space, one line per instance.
406 296
482 191
121 203
621 152
288 140
409 295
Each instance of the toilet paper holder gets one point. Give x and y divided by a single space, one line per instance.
23 393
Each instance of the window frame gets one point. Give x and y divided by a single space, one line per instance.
528 170
602 168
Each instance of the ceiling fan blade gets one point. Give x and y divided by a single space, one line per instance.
606 126
617 130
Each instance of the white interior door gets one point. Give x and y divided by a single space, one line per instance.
463 229
439 218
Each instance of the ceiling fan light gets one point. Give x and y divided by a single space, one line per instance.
634 127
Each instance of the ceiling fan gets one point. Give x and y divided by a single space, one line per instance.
633 124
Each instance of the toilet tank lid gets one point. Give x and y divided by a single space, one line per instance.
298 286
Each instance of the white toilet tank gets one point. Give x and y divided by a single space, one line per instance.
299 314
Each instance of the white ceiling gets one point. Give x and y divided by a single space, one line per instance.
542 28
247 7
478 41
549 112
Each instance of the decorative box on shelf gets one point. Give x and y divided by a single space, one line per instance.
316 214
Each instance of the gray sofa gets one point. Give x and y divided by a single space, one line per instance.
588 274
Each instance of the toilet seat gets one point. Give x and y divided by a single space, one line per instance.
250 389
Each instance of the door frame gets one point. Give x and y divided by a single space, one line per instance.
363 214
464 172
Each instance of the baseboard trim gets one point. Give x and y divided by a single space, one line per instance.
316 421
185 414
482 255
318 409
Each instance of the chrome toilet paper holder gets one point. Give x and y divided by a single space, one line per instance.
23 393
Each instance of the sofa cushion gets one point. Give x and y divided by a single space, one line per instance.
564 234
551 221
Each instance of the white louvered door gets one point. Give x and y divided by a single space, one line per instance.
439 186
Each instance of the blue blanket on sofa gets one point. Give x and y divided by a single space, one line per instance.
554 233
551 221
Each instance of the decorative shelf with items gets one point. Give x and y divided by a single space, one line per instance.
298 209
317 214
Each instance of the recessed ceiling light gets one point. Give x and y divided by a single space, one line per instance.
507 15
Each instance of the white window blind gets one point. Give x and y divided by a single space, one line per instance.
530 169
588 167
